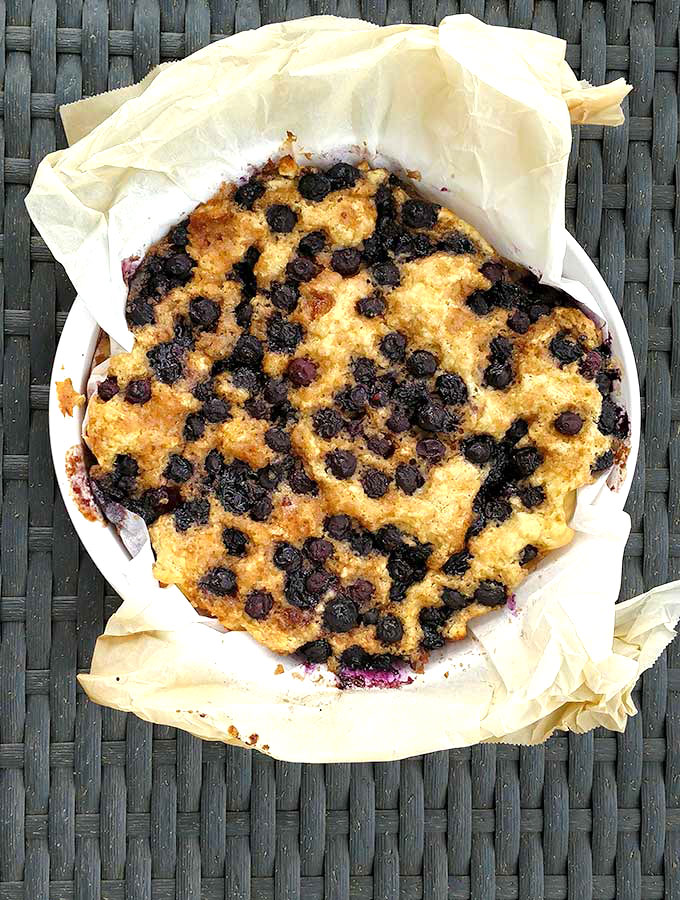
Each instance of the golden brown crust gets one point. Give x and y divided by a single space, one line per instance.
433 306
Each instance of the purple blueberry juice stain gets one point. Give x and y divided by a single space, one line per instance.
512 604
129 266
371 678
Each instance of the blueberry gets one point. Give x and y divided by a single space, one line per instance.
526 460
408 478
591 364
125 465
354 658
388 538
531 495
327 423
194 426
277 440
193 512
413 246
389 630
257 408
431 450
605 382
315 651
313 186
498 375
281 218
610 418
458 563
353 399
300 482
216 410
431 416
385 273
565 350
258 604
337 526
287 557
433 616
284 295
504 294
364 370
491 593
178 469
318 550
478 449
219 581
261 509
419 213
528 554
179 266
318 582
302 268
248 353
432 639
204 312
138 391
371 306
422 363
380 445
340 615
108 388
235 541
455 242
341 463
269 477
243 314
538 310
361 541
398 422
139 312
519 322
518 430
282 336
361 591
248 193
477 303
312 243
342 175
301 371
568 423
500 349
497 510
166 361
494 271
604 461
370 617
375 483
346 262
393 346
180 234
451 388
455 600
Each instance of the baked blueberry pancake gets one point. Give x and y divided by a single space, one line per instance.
349 425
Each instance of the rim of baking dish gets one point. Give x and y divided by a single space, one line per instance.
73 360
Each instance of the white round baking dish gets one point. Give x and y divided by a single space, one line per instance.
73 360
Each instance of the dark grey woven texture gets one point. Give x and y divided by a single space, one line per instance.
94 803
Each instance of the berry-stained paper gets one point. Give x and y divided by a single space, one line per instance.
481 117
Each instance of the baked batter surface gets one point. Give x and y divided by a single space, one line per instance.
349 425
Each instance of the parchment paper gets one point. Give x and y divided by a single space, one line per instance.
482 115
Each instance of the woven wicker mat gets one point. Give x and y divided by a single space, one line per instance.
94 803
